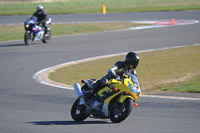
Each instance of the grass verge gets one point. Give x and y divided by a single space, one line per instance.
95 6
16 32
189 86
156 70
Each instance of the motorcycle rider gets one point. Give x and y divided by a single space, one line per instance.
42 17
116 72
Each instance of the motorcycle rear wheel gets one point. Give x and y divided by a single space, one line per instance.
47 37
118 113
78 111
28 38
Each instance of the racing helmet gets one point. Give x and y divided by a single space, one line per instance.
40 8
132 60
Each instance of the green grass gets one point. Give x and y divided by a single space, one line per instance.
95 6
58 29
11 32
16 32
154 70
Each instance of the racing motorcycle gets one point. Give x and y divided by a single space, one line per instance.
115 101
34 32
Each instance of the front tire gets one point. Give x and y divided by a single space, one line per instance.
120 112
78 111
28 38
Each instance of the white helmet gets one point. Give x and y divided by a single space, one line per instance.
40 8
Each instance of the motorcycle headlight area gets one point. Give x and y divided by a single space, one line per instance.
133 88
27 25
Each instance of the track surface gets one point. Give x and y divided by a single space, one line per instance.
29 107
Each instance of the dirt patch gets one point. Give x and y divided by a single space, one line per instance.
181 79
170 81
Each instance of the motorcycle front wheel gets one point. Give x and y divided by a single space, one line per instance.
28 38
120 111
78 111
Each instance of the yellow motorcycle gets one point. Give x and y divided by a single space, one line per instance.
114 101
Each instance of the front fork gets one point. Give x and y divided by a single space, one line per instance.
32 34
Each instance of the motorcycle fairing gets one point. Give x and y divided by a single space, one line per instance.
129 88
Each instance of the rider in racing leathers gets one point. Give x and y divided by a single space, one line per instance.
117 71
41 16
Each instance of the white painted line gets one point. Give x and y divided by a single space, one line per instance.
172 97
38 75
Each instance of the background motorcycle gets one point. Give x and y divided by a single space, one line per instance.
34 32
114 101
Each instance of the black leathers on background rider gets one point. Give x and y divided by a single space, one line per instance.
42 18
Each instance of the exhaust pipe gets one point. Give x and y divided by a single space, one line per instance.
78 90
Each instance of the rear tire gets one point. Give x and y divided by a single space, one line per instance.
28 38
47 37
78 111
120 112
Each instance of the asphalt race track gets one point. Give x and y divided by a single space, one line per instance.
27 106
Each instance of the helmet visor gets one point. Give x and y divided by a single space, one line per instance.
132 64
